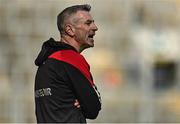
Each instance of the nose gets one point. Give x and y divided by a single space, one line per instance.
94 27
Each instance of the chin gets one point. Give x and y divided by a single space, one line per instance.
91 45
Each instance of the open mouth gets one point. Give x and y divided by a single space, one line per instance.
91 35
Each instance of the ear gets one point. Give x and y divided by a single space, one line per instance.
69 29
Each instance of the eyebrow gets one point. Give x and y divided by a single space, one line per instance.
89 21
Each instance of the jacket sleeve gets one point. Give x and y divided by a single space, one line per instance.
86 93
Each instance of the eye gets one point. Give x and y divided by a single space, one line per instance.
88 23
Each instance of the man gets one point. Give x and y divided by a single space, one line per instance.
64 88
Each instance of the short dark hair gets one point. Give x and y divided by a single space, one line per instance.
67 12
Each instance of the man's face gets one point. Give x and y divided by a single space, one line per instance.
85 29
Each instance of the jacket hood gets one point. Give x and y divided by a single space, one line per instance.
50 46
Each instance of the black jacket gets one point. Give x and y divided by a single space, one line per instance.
64 75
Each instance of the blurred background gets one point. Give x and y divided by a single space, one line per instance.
135 61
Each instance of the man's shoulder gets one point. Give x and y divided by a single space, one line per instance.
69 56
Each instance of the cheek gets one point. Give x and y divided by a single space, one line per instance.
79 36
82 35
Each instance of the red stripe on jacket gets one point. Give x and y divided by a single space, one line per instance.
75 59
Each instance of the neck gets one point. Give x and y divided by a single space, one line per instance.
72 42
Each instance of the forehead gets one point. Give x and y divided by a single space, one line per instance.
83 15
